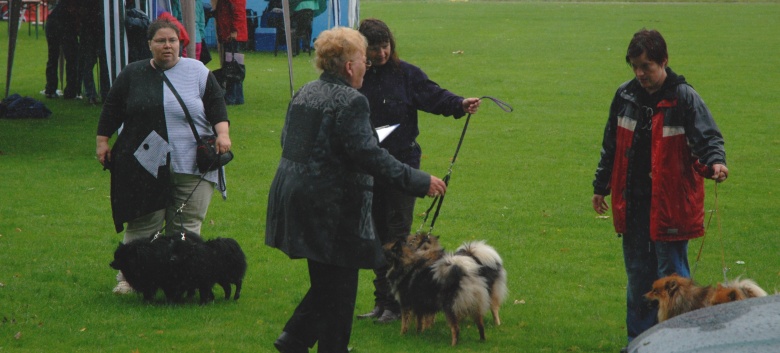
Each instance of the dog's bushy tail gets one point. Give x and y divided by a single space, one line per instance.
463 290
485 254
492 269
749 287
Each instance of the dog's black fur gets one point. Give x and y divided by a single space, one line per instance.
411 281
219 260
145 264
181 263
424 279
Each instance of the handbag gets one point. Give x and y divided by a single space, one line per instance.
231 71
206 156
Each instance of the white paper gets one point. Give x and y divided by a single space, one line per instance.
384 131
153 152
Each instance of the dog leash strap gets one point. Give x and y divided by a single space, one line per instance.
720 236
712 212
437 201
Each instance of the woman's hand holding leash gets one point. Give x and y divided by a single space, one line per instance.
437 187
470 105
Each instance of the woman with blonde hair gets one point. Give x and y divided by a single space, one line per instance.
319 203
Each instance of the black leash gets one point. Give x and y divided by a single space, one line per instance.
438 200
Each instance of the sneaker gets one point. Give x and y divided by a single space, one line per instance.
122 287
388 316
52 95
377 312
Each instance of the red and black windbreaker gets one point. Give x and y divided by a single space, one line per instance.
685 140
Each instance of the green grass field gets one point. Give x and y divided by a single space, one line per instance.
522 181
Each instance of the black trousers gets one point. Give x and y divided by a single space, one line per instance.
58 35
324 316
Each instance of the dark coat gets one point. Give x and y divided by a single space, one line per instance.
136 103
395 93
319 204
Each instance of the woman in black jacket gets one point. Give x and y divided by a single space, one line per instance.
319 204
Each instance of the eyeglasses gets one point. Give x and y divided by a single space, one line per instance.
367 62
163 41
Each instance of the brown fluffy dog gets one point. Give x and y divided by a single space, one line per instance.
678 295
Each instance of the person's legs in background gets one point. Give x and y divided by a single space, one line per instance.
87 61
393 213
70 49
52 63
234 91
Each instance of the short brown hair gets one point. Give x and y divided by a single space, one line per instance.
650 42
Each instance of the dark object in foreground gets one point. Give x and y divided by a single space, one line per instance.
181 263
744 326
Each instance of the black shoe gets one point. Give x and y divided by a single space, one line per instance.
388 316
287 343
377 312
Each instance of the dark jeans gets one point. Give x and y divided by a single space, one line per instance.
324 316
393 213
647 261
58 37
93 52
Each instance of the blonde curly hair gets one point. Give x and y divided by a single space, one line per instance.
334 47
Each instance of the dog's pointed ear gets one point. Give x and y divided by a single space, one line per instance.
672 284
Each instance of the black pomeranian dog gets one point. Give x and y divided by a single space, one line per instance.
216 261
145 264
181 263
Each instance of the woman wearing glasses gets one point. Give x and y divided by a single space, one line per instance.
396 90
320 199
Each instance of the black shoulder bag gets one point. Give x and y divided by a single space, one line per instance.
206 156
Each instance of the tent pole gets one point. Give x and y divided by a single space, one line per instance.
288 38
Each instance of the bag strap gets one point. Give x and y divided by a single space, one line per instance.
181 102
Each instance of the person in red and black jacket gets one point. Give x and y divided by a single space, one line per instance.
231 28
659 144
